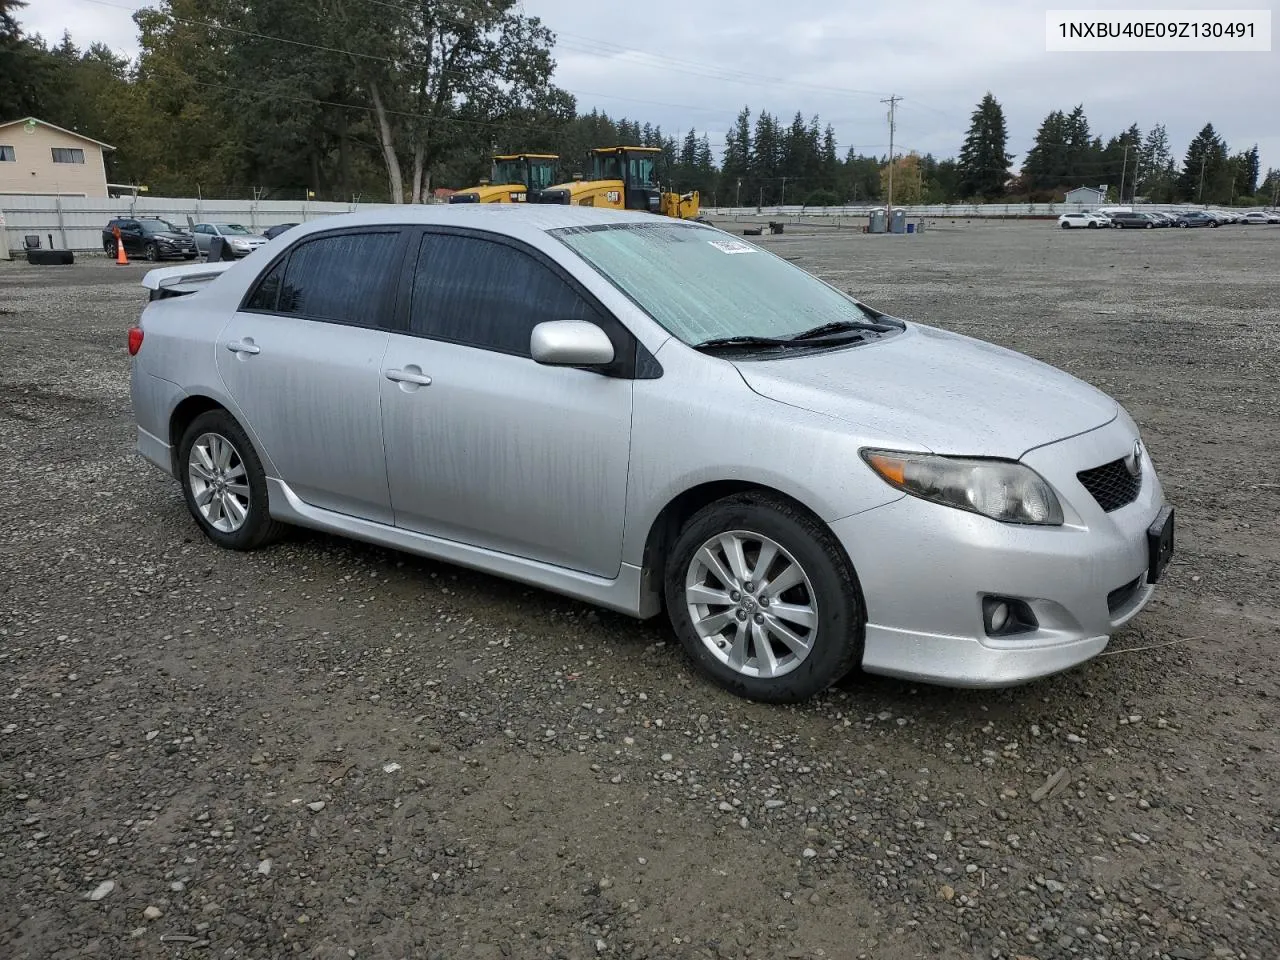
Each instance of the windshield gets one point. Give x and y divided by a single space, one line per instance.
507 171
608 167
234 229
158 226
541 174
641 171
702 284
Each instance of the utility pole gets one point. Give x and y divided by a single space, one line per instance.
1124 168
892 101
737 197
1203 161
783 202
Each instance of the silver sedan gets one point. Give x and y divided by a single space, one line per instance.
650 415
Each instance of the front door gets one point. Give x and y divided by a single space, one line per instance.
303 358
485 446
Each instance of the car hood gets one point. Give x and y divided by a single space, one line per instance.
948 393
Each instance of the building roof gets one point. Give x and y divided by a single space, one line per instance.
54 126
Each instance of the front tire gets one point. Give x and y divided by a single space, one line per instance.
764 600
1093 226
224 484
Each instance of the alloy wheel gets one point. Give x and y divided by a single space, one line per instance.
219 483
752 604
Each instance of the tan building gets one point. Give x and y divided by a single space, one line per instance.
39 158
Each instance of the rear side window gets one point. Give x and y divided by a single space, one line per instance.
485 294
268 290
343 278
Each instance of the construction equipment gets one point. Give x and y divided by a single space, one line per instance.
513 177
623 178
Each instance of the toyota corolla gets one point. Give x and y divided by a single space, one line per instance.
652 415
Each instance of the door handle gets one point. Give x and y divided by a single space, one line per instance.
408 376
243 346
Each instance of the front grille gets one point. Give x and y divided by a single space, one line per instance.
1119 598
1111 484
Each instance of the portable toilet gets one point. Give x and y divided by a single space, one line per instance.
898 223
877 221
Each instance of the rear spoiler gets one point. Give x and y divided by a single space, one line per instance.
180 281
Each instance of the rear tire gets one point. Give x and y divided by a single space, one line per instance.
110 249
224 484
773 645
1066 226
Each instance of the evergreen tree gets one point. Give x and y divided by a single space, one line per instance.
1203 168
766 151
736 169
1045 167
984 161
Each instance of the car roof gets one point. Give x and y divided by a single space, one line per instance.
511 219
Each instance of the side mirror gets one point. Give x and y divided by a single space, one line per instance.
570 343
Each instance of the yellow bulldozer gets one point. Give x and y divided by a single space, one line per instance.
513 177
622 178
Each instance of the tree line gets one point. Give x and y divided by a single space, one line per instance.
382 100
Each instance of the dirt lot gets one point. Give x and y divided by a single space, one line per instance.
329 750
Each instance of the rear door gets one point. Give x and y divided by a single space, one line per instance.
131 235
485 446
302 359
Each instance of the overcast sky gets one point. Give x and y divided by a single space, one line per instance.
683 64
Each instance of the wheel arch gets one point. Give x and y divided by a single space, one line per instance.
670 520
190 407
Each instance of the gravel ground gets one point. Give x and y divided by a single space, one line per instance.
331 750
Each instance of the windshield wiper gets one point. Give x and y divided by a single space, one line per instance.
744 341
842 326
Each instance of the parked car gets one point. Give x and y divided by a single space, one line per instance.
1225 216
1260 216
1130 220
1197 218
646 413
1161 219
1070 221
272 232
240 239
148 237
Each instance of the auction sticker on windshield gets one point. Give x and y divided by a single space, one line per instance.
733 246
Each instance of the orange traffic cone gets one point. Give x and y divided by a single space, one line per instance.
122 258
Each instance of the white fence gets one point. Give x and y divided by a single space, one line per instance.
76 222
956 210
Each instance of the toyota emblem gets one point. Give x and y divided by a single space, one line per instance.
1134 462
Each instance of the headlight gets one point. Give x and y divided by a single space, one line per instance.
240 244
1000 489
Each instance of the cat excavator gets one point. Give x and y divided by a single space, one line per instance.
513 178
623 178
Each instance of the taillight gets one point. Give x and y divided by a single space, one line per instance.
135 340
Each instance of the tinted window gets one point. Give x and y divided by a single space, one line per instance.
487 294
343 278
268 290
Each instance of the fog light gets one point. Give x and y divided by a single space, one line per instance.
998 617
1004 616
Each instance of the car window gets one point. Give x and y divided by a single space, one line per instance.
486 294
159 226
700 283
341 277
265 295
232 229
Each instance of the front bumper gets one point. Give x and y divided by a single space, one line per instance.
924 569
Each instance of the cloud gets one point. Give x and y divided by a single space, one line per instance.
700 63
